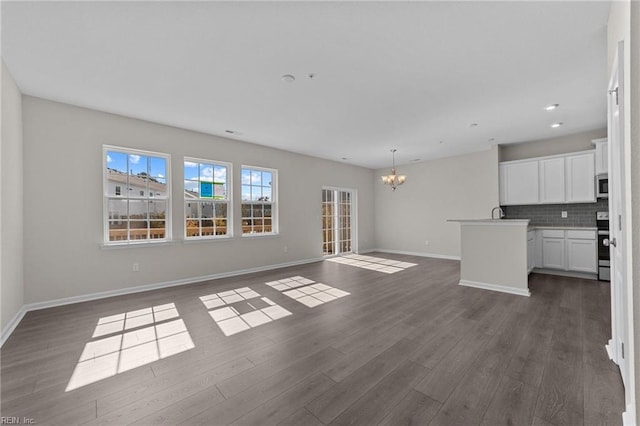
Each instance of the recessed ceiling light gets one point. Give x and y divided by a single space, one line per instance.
415 159
344 158
492 139
232 132
441 142
473 125
288 78
556 125
551 107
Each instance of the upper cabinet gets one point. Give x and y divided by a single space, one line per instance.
519 183
551 172
580 178
602 156
568 178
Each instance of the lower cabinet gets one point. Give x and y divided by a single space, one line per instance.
531 250
553 250
582 251
569 250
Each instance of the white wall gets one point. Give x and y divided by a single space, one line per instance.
634 118
461 187
63 227
560 145
11 253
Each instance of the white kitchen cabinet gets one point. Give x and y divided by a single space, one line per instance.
602 156
553 249
582 253
519 183
564 178
551 174
568 250
531 250
580 178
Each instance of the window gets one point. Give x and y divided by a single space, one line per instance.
132 218
259 201
207 195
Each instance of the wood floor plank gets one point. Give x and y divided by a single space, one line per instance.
473 394
415 408
187 383
301 417
329 405
235 407
445 375
513 404
372 407
287 403
561 395
365 358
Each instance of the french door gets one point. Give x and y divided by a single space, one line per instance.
338 225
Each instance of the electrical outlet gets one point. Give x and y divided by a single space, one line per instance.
564 214
136 267
285 249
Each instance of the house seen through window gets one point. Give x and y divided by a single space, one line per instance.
130 179
207 196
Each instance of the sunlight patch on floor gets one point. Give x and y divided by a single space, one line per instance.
298 289
238 310
379 264
155 334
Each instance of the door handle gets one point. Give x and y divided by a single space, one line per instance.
609 242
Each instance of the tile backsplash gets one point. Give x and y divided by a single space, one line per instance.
583 214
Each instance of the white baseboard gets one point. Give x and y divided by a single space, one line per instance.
495 287
629 416
609 349
583 275
8 329
415 253
119 292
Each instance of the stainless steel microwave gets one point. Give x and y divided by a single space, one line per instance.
602 186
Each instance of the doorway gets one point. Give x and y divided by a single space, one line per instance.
338 224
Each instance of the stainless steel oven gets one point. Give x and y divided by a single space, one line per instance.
602 186
604 256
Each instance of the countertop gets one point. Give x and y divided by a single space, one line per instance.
566 228
492 222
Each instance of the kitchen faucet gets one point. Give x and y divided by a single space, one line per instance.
500 212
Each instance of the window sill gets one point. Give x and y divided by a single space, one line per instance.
136 244
261 235
206 240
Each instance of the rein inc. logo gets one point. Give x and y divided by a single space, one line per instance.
9 420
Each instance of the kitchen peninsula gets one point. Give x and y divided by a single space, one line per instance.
493 254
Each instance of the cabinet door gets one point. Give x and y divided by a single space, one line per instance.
553 253
580 178
582 255
602 157
531 250
552 181
519 183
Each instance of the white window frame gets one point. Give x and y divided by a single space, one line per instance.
106 197
228 201
274 201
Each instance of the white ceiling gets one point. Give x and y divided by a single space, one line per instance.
403 75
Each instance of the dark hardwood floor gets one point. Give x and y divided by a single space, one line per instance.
410 347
